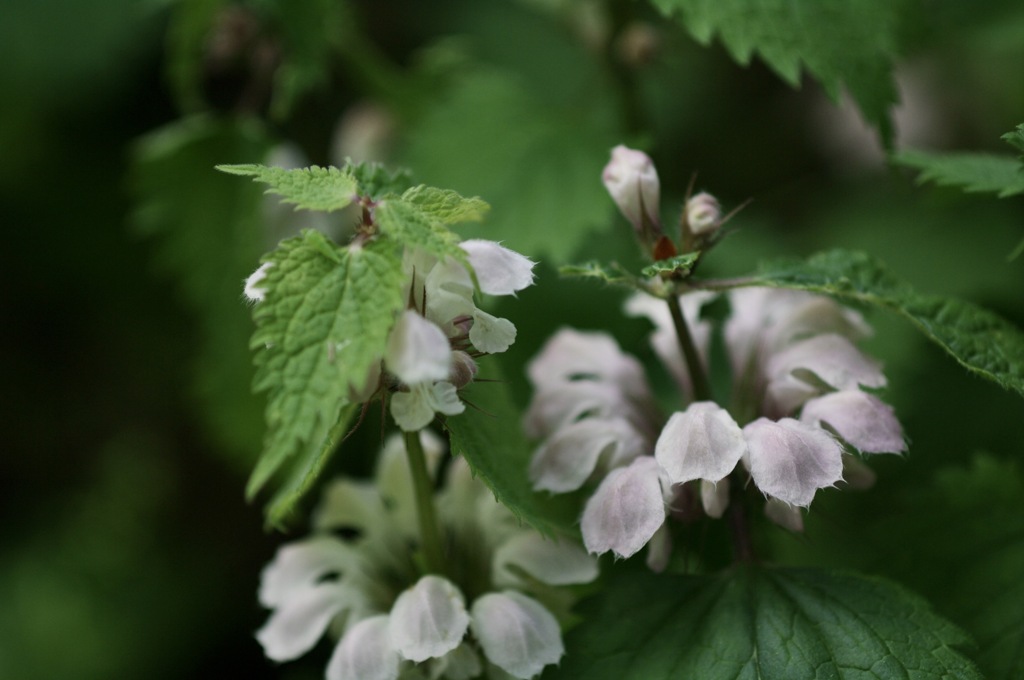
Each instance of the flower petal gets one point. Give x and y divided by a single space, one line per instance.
659 549
568 458
444 398
860 418
253 291
554 562
365 653
302 619
499 271
428 620
785 515
298 566
632 181
555 408
703 442
412 410
418 351
570 355
517 633
832 358
626 510
790 460
462 663
490 334
714 497
348 504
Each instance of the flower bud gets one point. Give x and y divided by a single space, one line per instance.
632 181
463 369
703 214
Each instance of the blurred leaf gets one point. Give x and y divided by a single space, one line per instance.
840 43
611 273
410 226
979 340
313 188
679 263
1016 138
489 436
539 166
320 331
446 206
209 238
975 172
752 622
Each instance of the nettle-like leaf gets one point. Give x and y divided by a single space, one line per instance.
612 273
376 181
313 188
979 340
489 436
760 623
840 43
678 264
446 206
405 222
974 172
320 332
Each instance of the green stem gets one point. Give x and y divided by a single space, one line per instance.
742 544
423 488
701 386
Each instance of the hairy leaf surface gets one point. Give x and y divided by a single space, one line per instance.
414 228
312 188
974 172
445 205
761 624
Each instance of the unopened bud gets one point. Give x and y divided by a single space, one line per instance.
703 214
632 181
463 369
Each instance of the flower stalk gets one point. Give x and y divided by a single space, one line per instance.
423 488
701 384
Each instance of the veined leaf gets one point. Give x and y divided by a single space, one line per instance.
406 223
490 437
445 205
841 43
312 188
974 172
764 624
376 181
979 340
609 273
679 263
321 331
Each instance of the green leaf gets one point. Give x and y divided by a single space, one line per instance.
840 43
413 228
490 437
758 623
312 188
979 340
1016 138
446 206
974 172
612 273
376 181
209 235
539 165
320 330
680 263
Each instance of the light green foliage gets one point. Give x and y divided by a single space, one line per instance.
319 333
611 273
539 165
764 624
979 340
209 237
678 264
312 188
489 436
414 228
842 44
376 181
446 206
975 172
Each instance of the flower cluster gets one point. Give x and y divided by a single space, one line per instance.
432 348
358 577
797 390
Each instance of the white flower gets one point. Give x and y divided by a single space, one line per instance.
418 351
632 181
791 460
703 442
626 510
499 271
348 585
861 419
703 214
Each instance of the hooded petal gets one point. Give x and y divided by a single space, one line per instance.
302 619
444 398
632 181
365 653
418 351
569 456
428 620
555 408
791 461
554 562
517 633
490 334
412 410
703 442
714 497
499 271
299 566
626 510
348 504
570 355
860 418
832 358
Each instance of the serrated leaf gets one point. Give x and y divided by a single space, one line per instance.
609 273
313 188
679 263
489 436
979 340
446 206
320 330
538 165
764 624
376 181
208 235
840 43
974 172
1015 138
407 224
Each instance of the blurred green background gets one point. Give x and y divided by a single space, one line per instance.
127 549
